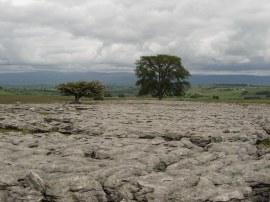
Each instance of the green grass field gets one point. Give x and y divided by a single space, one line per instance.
228 92
36 99
204 93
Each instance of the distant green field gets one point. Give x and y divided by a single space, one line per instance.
205 93
228 92
28 99
28 91
36 99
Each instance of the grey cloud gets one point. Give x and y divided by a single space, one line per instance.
109 35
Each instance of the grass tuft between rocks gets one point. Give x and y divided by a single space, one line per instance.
264 143
23 131
44 113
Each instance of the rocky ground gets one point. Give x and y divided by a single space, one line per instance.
134 151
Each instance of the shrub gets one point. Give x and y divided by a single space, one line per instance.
81 88
107 94
121 95
196 95
252 98
98 98
244 93
266 93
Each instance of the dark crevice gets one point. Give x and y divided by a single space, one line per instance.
48 199
168 139
160 167
91 154
261 192
108 195
171 137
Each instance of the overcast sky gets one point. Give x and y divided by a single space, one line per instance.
211 36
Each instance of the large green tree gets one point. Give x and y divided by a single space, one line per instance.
81 89
161 75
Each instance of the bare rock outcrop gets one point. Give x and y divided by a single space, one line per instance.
135 151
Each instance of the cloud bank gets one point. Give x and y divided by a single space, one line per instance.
211 36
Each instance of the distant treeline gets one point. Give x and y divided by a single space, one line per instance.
231 85
266 93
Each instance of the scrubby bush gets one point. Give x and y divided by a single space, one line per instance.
107 94
81 88
121 95
196 95
266 93
252 98
98 98
215 97
244 93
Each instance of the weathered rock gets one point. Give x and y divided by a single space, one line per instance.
134 151
266 126
34 181
230 195
33 144
76 188
170 136
200 141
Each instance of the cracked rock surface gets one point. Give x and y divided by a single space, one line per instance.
135 151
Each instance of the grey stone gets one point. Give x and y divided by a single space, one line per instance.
134 151
34 181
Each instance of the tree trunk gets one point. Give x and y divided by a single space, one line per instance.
77 100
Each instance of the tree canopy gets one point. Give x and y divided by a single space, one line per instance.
81 89
161 75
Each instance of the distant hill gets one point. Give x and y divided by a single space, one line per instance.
119 78
50 78
231 79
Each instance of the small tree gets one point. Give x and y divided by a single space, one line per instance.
161 75
81 88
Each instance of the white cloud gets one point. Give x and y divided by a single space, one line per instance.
20 2
209 35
